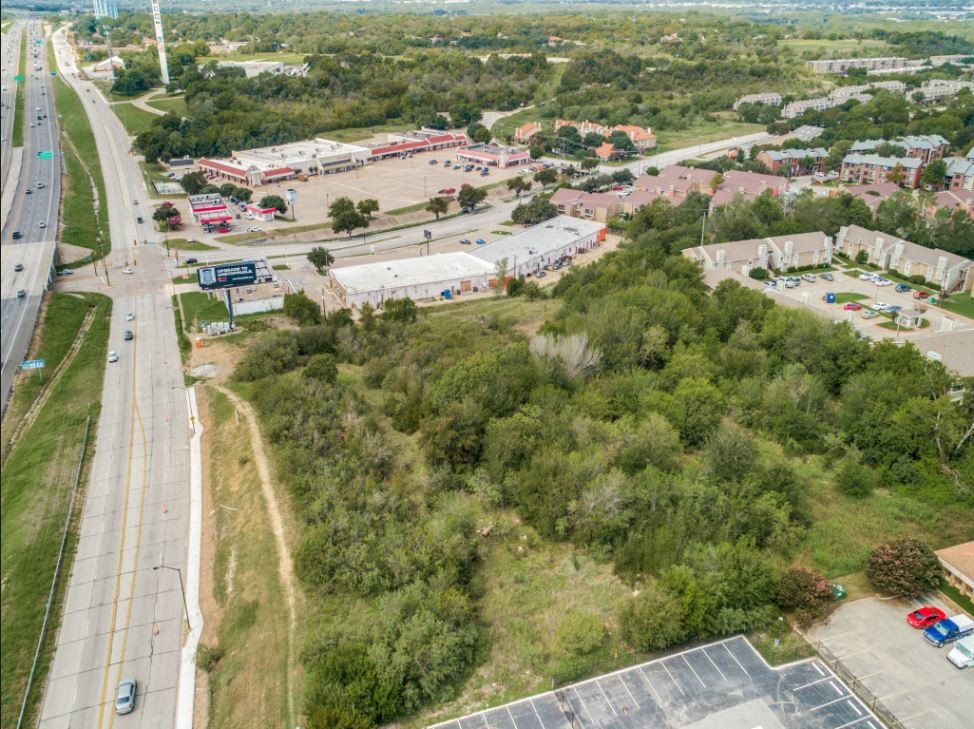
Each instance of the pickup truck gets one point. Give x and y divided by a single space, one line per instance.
949 630
962 654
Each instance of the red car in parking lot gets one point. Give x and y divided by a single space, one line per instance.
447 191
925 617
852 306
920 295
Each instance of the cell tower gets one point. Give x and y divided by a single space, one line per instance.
160 43
105 8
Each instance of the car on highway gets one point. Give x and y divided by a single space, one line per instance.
190 261
852 306
481 242
925 617
127 271
42 224
28 191
139 220
21 294
130 316
40 185
113 356
128 336
19 267
125 697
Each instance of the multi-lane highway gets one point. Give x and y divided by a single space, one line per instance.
30 225
9 62
123 613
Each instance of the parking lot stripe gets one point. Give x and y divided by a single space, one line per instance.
535 709
854 707
663 664
582 702
694 672
734 658
839 691
652 688
811 683
629 692
484 717
512 716
606 698
817 668
714 664
828 703
856 721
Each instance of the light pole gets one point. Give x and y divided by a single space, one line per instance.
182 591
192 417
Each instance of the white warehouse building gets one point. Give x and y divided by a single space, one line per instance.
453 274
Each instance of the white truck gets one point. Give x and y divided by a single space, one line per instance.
962 654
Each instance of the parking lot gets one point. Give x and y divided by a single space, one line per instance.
723 685
912 679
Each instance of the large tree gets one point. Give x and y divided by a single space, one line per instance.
320 258
438 206
469 197
905 567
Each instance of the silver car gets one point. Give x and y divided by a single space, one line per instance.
125 698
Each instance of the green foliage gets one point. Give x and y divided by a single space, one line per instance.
274 201
470 197
806 592
193 182
758 273
438 206
301 309
536 211
320 258
905 567
580 633
652 620
855 479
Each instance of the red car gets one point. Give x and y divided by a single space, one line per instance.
852 306
447 191
925 617
920 294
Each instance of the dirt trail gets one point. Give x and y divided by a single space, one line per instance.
285 564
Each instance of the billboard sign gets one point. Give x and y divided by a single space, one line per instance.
224 275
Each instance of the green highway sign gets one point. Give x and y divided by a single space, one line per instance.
45 155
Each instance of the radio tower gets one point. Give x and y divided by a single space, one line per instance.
160 43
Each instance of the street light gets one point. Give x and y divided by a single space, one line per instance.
192 418
179 573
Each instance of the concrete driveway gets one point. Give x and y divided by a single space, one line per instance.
911 678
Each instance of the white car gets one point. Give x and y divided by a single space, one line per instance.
962 654
883 282
866 276
128 271
113 356
254 229
130 316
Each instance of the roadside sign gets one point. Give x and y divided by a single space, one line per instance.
427 234
19 78
54 73
32 364
45 155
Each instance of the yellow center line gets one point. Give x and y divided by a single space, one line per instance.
121 554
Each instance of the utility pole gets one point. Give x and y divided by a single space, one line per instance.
111 64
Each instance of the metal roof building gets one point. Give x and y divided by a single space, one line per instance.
532 249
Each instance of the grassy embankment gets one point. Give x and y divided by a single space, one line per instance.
842 48
134 119
174 104
38 475
245 646
199 306
83 185
17 136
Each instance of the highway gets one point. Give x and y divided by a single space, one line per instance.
30 227
123 614
10 57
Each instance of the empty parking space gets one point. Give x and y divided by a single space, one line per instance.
701 687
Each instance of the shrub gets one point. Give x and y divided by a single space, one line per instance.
862 257
855 479
580 633
652 620
758 273
905 567
806 592
321 367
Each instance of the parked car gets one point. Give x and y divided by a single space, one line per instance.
962 654
253 229
190 261
867 314
852 306
810 277
826 276
925 617
127 271
920 295
113 356
130 316
772 283
125 697
949 630
880 281
480 242
139 220
867 276
65 272
464 241
433 162
903 288
541 274
19 267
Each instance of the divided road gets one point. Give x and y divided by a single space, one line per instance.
33 212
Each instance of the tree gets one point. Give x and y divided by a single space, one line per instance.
273 201
320 258
589 163
623 177
345 216
469 197
167 216
806 592
896 175
905 567
301 308
367 207
536 152
518 185
934 174
537 210
402 311
193 182
438 206
695 408
652 620
580 633
500 276
321 367
546 176
862 256
477 132
855 479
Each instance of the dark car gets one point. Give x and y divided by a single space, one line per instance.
21 294
128 337
191 261
19 267
139 220
18 235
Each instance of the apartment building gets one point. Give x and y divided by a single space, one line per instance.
960 172
843 65
794 162
768 98
524 133
867 169
924 147
779 253
641 139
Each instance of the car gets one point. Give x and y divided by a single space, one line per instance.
65 272
949 630
128 336
139 220
19 267
880 281
42 224
464 241
113 356
130 316
127 271
40 185
135 202
852 306
481 242
962 654
433 162
868 314
541 274
21 294
447 191
903 288
254 229
810 277
17 235
772 283
894 309
826 276
920 295
456 167
125 696
28 191
866 276
190 261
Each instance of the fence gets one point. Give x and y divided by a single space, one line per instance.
865 695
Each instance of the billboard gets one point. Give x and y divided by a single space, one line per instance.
224 275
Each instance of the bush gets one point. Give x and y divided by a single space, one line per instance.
905 567
862 257
806 592
855 479
758 273
580 633
321 367
652 620
300 308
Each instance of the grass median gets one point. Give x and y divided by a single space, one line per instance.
83 222
17 137
134 119
38 475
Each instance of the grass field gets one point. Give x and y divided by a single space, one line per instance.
703 132
958 304
134 119
81 226
834 48
844 297
182 244
17 136
355 134
176 104
291 58
247 663
38 476
198 306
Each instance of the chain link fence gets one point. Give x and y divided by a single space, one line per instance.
865 695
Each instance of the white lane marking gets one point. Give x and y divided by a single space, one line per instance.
854 707
628 692
663 664
649 683
582 702
714 664
512 716
816 667
811 683
734 658
828 703
856 721
839 691
606 698
535 709
694 672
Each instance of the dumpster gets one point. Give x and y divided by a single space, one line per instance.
447 294
838 591
830 298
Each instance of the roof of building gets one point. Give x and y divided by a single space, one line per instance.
954 200
807 131
960 558
907 163
538 240
784 154
529 127
442 267
592 199
910 142
912 251
606 150
960 166
752 183
223 167
742 250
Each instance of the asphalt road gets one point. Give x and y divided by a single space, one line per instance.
33 213
9 61
123 618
